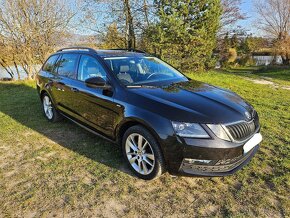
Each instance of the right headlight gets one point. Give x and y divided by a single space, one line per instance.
189 130
219 131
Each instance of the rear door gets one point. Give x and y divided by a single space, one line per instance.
63 88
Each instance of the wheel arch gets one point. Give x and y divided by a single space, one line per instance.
42 92
129 122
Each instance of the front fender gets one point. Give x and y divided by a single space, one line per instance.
160 127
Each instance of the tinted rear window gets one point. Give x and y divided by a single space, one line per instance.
67 65
49 64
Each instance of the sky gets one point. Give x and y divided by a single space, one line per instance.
247 8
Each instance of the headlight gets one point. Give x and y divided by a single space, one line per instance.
189 130
219 131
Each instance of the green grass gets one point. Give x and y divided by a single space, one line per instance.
277 74
61 170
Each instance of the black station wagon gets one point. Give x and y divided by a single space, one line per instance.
162 120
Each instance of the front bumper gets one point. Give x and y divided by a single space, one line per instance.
220 167
224 157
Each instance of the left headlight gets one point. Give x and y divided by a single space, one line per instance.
189 130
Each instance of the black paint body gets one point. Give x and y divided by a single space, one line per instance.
110 111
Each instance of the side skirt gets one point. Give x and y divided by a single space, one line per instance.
88 129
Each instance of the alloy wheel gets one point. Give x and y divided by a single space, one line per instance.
47 107
140 154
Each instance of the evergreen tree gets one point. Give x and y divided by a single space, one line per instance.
113 38
186 32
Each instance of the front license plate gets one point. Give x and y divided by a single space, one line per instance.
255 140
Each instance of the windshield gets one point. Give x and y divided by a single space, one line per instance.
143 71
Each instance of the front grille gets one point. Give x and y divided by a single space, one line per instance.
243 130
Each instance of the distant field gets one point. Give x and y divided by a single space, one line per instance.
62 170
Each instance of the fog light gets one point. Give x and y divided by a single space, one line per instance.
197 161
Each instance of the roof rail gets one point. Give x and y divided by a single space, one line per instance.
128 49
77 48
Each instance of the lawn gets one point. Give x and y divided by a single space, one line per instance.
276 74
61 170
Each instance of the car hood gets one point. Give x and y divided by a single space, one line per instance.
193 101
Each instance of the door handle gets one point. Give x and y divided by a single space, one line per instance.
59 86
74 89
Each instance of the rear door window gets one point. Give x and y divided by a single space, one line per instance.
66 65
50 63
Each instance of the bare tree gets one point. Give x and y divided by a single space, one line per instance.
130 34
274 21
31 29
231 12
129 16
7 59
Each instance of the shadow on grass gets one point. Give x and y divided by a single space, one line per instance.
22 103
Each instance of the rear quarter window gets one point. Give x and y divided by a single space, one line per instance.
50 63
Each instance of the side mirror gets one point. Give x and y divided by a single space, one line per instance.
96 82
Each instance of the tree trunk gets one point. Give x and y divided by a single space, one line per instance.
24 67
28 70
131 40
285 59
146 12
31 73
17 70
11 74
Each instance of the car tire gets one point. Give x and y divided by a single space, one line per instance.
49 109
142 153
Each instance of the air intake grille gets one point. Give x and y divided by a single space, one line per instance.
243 130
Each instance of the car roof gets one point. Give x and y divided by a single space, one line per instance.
104 52
119 53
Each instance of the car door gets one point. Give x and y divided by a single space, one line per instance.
63 88
95 105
